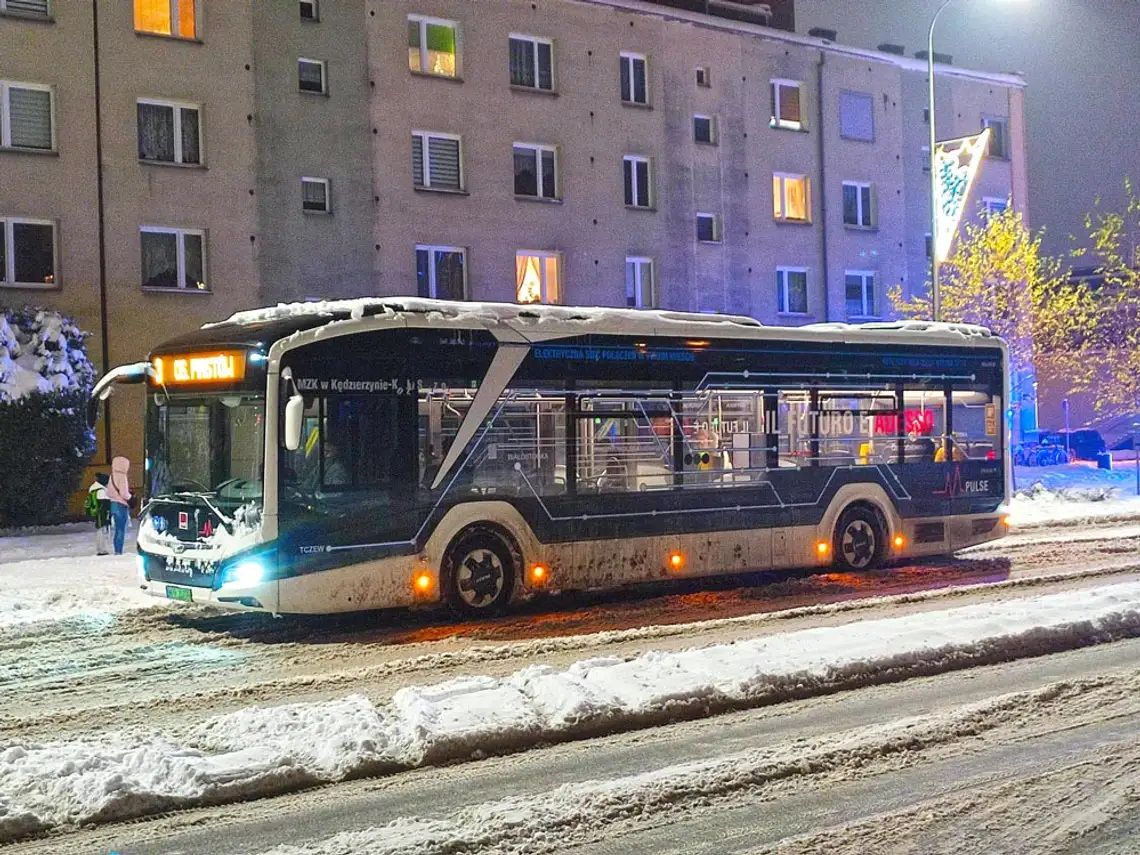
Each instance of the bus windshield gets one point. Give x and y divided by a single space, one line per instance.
207 444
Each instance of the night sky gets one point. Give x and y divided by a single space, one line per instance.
1081 61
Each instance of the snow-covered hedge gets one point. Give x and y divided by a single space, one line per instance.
45 378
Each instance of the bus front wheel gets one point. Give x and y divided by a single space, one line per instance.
479 571
860 540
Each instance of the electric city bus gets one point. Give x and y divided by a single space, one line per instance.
341 456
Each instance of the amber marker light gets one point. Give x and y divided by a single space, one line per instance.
423 582
822 548
538 574
676 560
900 541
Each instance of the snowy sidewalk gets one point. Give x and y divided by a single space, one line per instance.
263 751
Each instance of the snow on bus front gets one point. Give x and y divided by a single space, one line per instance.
201 538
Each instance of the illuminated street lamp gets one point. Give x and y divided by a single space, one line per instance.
935 289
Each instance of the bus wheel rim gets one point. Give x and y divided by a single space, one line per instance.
858 543
480 578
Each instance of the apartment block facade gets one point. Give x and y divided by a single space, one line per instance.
166 162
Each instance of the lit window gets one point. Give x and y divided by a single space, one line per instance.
26 116
26 8
536 171
167 17
791 201
856 116
27 252
441 272
637 181
708 228
640 286
169 132
860 292
310 10
858 205
433 46
704 129
311 76
786 105
791 290
999 143
436 161
634 79
537 277
532 62
315 195
173 259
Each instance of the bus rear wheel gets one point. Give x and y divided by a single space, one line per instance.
860 540
479 571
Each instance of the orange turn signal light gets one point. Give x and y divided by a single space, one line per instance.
900 541
676 560
822 548
423 582
538 574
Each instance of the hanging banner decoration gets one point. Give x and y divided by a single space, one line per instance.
956 165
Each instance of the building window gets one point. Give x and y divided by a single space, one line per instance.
708 228
634 79
433 46
26 8
173 259
169 132
532 62
856 116
536 171
704 129
537 277
786 112
791 200
640 285
858 205
791 290
310 10
315 196
441 272
993 205
704 77
437 161
311 76
637 181
27 252
860 290
999 141
26 116
176 18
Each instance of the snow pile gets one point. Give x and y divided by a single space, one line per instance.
41 352
303 743
1072 493
544 821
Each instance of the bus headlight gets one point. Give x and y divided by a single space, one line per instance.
246 574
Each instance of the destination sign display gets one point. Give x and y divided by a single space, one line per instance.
219 366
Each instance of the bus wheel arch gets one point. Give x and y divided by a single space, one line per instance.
480 570
860 536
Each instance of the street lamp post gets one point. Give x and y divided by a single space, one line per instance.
935 291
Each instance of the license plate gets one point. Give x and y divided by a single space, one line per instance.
183 594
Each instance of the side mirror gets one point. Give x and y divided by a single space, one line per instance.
294 415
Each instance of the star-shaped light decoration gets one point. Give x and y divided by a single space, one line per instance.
956 165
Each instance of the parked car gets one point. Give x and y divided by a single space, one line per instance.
1084 444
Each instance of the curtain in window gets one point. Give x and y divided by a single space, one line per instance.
30 115
311 76
522 62
159 260
195 255
526 178
795 190
156 132
545 66
797 292
33 253
190 136
790 103
313 196
187 25
153 16
528 279
449 276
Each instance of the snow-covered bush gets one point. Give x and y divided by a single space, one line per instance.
45 379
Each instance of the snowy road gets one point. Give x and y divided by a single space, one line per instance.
99 658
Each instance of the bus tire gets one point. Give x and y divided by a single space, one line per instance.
479 572
860 539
